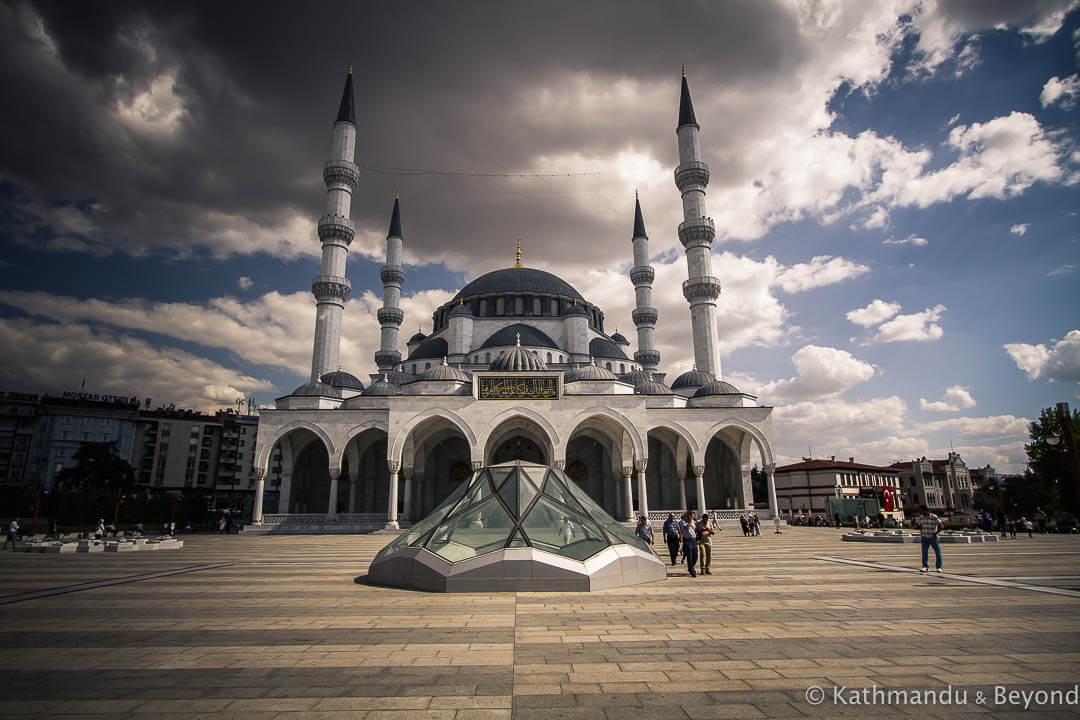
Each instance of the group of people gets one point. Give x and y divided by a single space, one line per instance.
751 524
689 535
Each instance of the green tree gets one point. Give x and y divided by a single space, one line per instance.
1052 478
759 483
99 468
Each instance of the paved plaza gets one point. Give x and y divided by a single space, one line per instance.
280 627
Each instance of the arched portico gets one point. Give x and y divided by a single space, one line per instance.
519 436
598 448
731 448
435 457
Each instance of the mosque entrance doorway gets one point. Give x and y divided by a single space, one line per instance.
309 489
518 447
364 484
589 464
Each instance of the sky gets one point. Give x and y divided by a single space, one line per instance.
895 187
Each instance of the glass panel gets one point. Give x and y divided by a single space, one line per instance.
535 475
518 541
552 528
526 493
509 494
553 487
480 490
413 535
617 531
478 530
499 475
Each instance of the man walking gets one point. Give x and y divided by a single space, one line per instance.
671 535
930 525
13 533
689 541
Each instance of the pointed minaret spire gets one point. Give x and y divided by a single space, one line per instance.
336 231
696 233
641 275
686 105
517 256
347 111
393 275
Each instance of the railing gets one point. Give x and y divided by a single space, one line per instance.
730 514
321 518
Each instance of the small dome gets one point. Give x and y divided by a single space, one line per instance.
717 387
432 347
692 378
343 380
445 372
418 337
461 309
518 360
602 347
620 338
652 387
397 377
589 372
636 377
316 389
529 335
574 309
382 388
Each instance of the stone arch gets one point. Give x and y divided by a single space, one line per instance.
365 479
614 416
262 455
397 446
752 431
348 435
549 433
679 431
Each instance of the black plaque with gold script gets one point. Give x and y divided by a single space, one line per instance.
518 387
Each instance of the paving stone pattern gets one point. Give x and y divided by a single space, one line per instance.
278 627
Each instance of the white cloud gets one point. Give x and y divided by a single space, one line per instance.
955 398
820 271
996 426
1019 229
876 312
1061 361
909 240
820 372
921 326
244 282
1061 91
1062 270
830 423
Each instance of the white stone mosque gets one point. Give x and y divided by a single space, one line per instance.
518 366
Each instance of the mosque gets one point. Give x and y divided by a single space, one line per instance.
517 366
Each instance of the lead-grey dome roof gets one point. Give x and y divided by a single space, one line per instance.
518 359
445 372
589 372
343 380
432 347
636 377
529 336
620 338
418 337
316 389
517 281
382 388
717 387
653 387
602 347
692 378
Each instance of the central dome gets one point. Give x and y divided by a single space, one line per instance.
517 280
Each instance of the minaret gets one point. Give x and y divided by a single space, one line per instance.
696 233
336 231
390 315
642 275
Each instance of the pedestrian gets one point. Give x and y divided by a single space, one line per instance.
837 517
757 525
704 531
930 526
100 531
12 534
1027 526
644 530
1002 524
566 530
1012 528
228 524
867 520
689 541
776 519
856 521
221 524
671 536
745 526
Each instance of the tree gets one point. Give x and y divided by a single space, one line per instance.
1052 478
759 483
99 467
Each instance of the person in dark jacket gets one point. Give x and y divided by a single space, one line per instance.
671 536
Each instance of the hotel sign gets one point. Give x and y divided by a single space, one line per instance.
518 387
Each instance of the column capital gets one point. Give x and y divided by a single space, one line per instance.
627 470
394 466
699 470
560 464
769 469
477 464
640 464
335 472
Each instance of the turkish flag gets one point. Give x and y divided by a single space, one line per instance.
888 501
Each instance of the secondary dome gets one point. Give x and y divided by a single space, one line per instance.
652 387
517 280
382 388
316 389
516 527
343 380
529 335
636 377
717 387
519 359
445 372
589 372
692 378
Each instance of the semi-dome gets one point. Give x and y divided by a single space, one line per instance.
692 378
432 347
619 338
529 335
653 387
382 388
316 389
575 309
516 527
518 359
636 377
590 372
717 387
460 309
602 347
418 337
343 380
445 372
517 281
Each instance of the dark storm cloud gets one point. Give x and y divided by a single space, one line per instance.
439 86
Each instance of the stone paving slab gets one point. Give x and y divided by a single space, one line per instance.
278 627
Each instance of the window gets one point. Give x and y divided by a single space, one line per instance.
61 452
67 419
166 426
608 366
414 368
549 357
622 368
105 437
65 435
88 421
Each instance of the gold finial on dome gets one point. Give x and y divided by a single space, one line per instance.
517 339
517 259
396 196
684 69
350 68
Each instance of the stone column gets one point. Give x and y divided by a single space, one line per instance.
331 510
284 493
477 464
628 509
770 475
699 481
643 497
260 484
408 497
391 505
352 494
682 493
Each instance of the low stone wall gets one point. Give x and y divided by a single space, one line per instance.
898 536
92 546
